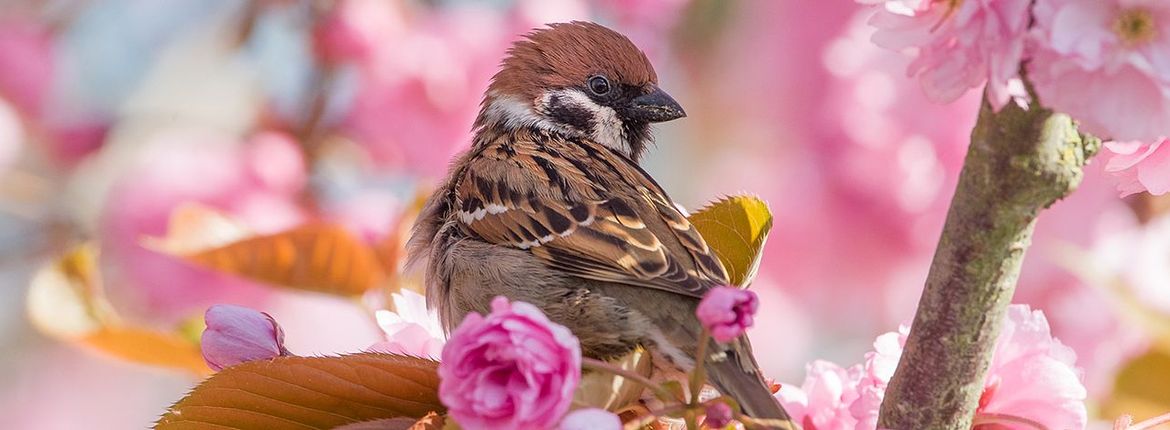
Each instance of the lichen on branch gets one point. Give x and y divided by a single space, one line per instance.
1020 162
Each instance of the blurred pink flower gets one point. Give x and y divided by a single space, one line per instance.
70 142
352 29
823 401
26 57
649 23
1139 258
726 312
1106 63
717 415
253 181
511 369
1140 166
1076 235
236 334
419 89
590 419
11 135
960 45
411 328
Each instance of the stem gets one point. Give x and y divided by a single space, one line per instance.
699 373
986 418
1020 162
594 364
1152 422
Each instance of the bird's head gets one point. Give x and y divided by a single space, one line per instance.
582 78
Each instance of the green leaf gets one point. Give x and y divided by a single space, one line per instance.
310 392
736 228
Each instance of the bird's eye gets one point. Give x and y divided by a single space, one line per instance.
599 85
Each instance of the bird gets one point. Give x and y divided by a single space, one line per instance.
550 206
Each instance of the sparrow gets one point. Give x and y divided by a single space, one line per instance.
549 206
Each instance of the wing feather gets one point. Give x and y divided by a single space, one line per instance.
611 223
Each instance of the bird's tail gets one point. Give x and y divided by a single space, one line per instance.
739 377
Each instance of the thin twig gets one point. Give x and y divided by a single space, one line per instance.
595 364
989 418
1151 423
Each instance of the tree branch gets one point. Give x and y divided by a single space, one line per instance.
1020 162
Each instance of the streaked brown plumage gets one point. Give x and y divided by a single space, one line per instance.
549 206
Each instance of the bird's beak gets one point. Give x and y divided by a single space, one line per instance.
655 106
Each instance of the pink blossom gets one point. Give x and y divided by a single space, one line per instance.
717 415
960 45
590 419
823 401
726 312
511 369
1140 166
236 334
1106 63
1031 377
411 328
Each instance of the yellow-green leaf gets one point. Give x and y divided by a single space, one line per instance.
736 228
611 392
1140 388
317 257
66 301
310 392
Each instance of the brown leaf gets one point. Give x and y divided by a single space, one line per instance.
150 347
310 393
317 257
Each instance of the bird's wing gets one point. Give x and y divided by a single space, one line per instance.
584 210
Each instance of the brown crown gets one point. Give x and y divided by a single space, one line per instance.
566 55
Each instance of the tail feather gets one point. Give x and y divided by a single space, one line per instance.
739 378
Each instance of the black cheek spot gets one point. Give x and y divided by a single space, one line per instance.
570 114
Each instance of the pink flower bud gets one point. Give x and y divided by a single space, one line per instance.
590 419
718 415
727 311
513 369
236 334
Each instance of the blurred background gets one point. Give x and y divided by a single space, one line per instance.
277 114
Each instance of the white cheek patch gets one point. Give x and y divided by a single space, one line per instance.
514 113
607 127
